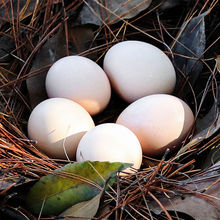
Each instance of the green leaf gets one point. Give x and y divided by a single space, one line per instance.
70 185
86 209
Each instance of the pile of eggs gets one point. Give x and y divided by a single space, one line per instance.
78 89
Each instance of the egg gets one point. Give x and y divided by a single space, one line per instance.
110 142
137 69
159 121
81 80
57 125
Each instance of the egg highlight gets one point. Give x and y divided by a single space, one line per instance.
57 125
159 121
81 80
110 142
137 69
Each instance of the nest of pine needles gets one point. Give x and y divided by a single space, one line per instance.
25 29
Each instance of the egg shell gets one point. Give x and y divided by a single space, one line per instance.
159 121
57 124
110 142
137 69
81 80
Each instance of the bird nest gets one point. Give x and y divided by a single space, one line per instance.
33 34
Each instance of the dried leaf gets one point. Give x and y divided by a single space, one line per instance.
49 53
6 47
207 126
168 4
8 212
4 184
26 7
190 43
103 210
218 62
95 12
70 185
194 206
86 209
212 157
7 183
79 40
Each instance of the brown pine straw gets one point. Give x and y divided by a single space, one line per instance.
18 156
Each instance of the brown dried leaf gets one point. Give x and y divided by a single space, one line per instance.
55 48
103 210
190 42
26 7
169 4
52 50
212 157
207 126
81 39
6 47
99 12
218 62
192 205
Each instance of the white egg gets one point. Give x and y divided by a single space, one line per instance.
110 142
159 121
81 80
137 69
57 124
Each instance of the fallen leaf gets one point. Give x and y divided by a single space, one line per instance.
48 54
103 210
70 185
190 42
26 7
207 126
86 209
97 13
197 207
8 212
6 47
218 62
168 4
80 38
212 157
13 181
